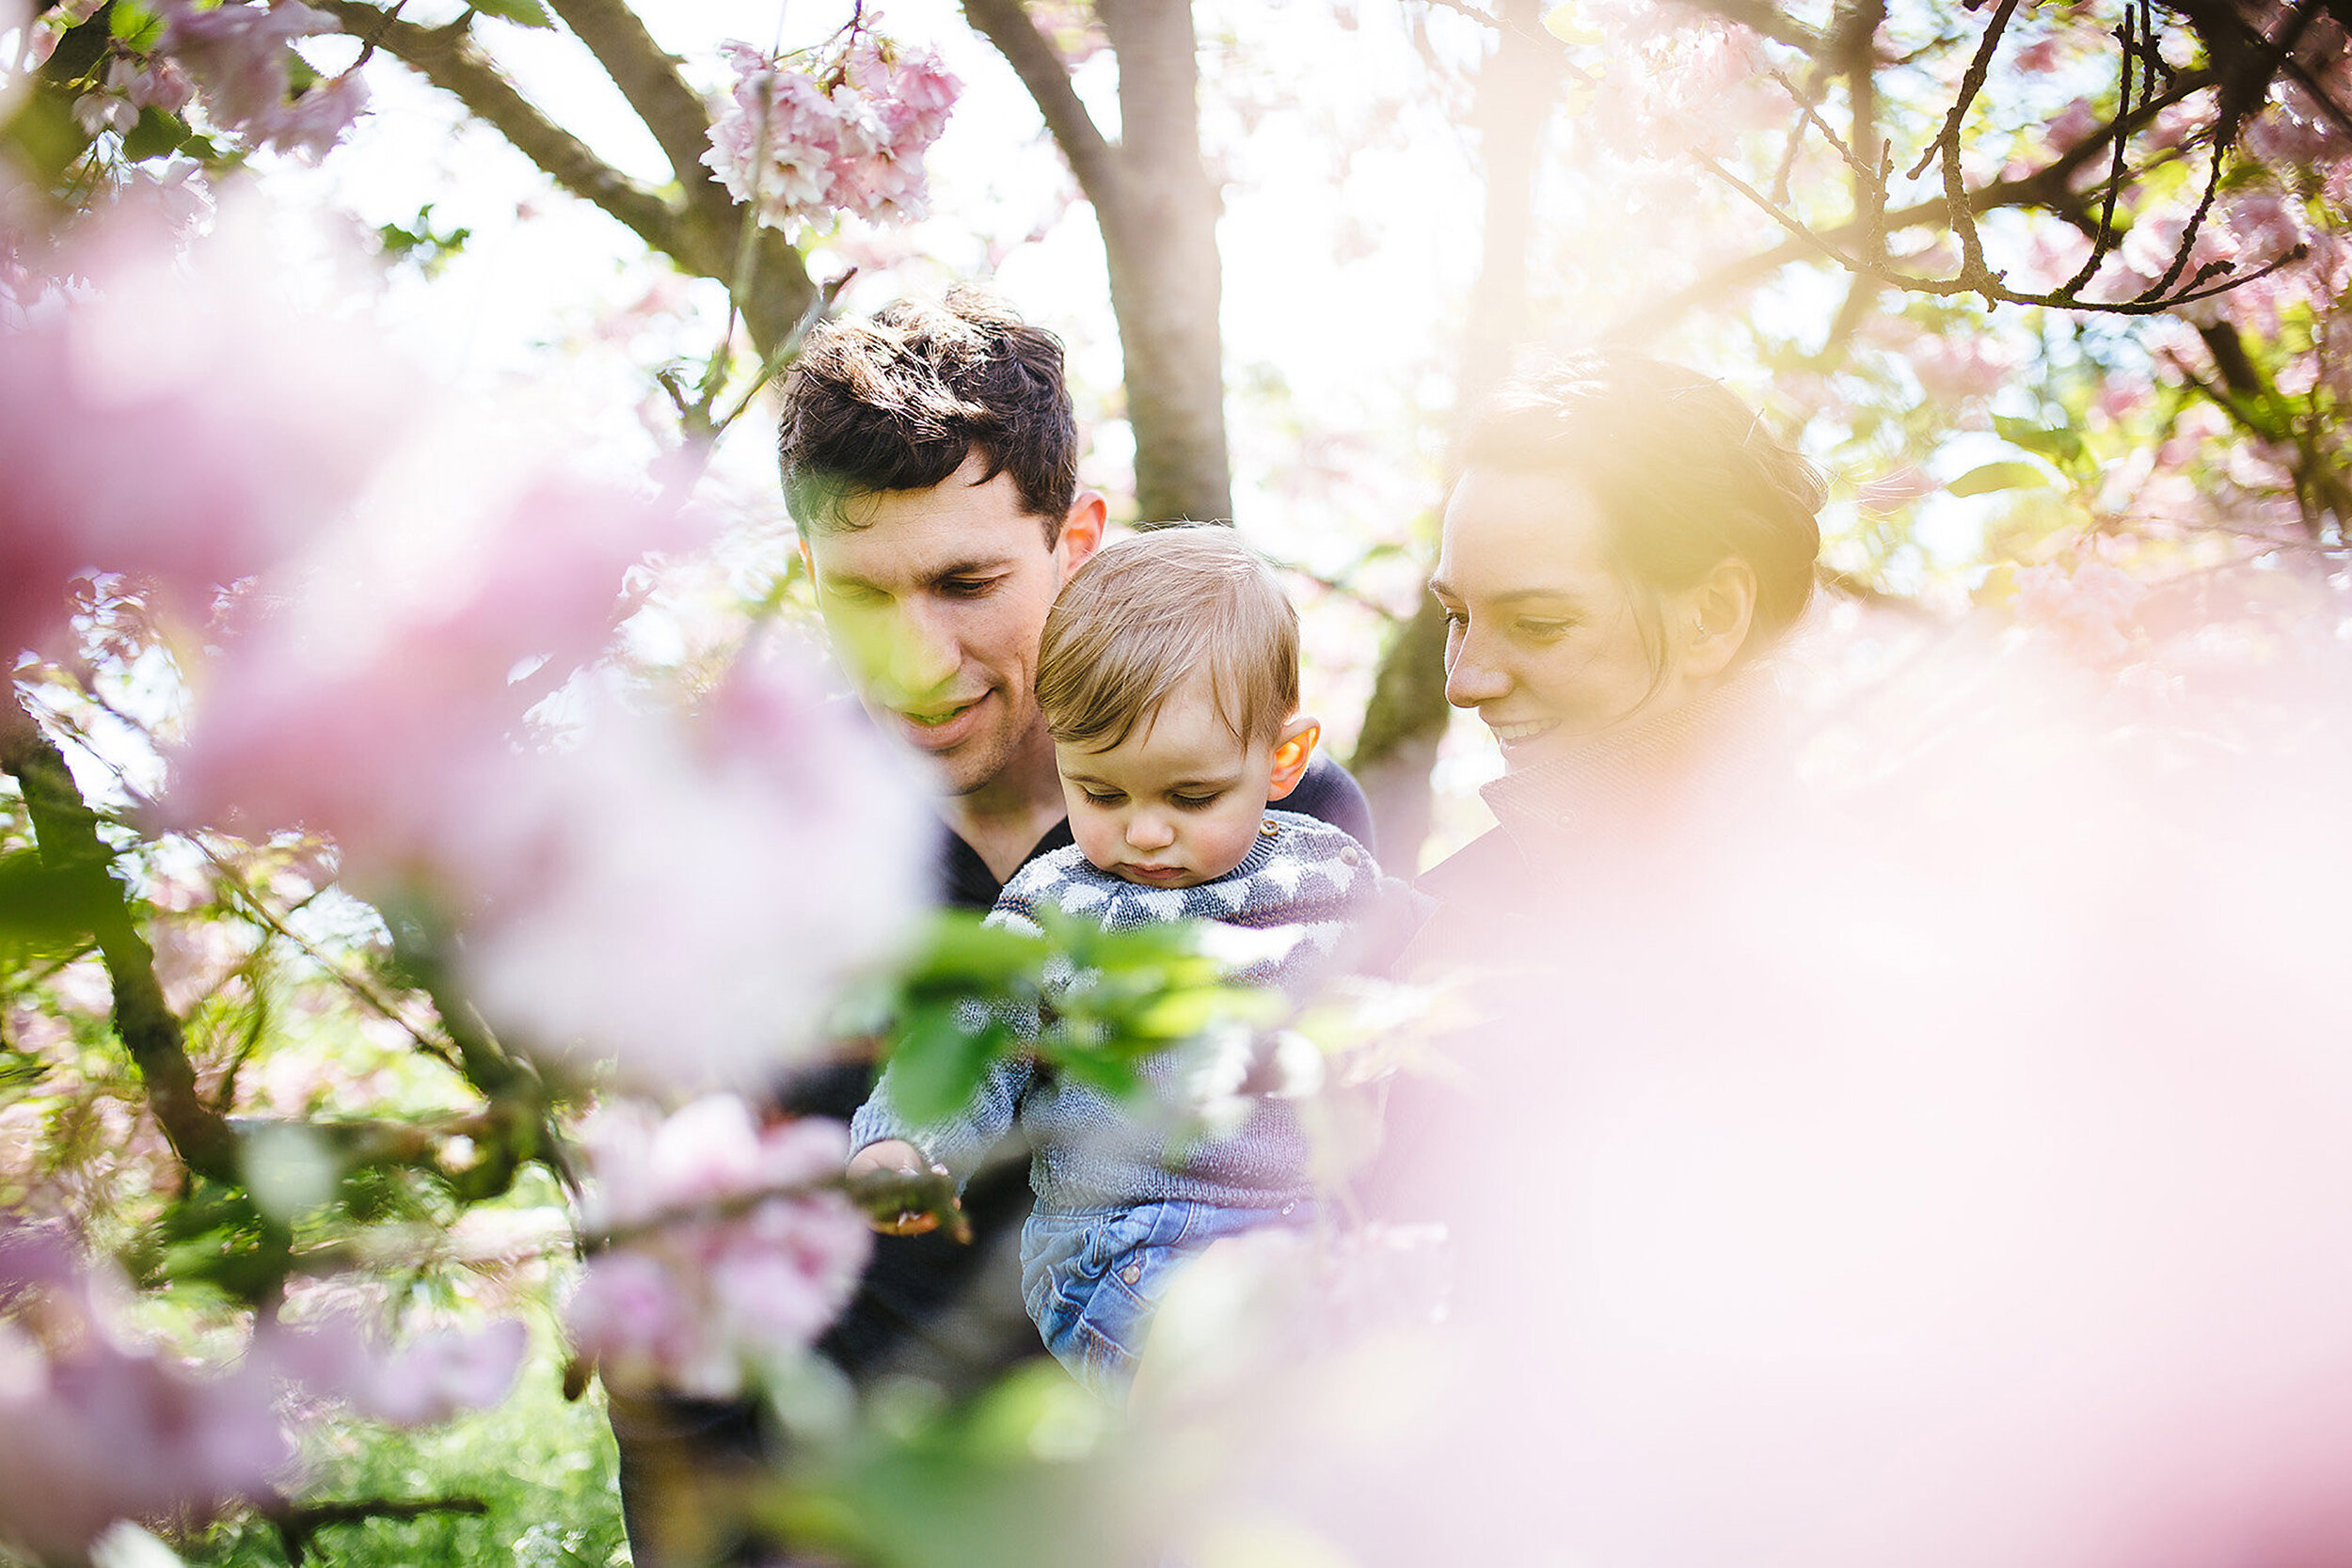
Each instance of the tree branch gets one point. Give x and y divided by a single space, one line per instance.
698 232
1006 24
298 1523
447 58
648 77
1767 20
2047 187
65 830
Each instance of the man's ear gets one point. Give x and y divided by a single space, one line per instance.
1715 618
1292 751
808 562
1082 530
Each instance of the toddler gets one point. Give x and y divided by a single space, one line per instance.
1169 678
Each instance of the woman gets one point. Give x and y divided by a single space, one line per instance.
1625 543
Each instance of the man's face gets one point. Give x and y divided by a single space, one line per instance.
935 600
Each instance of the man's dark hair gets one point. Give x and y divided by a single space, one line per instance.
899 400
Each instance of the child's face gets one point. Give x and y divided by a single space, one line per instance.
1179 802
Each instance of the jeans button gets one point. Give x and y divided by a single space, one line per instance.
1132 1273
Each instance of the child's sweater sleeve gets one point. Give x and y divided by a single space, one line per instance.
962 1141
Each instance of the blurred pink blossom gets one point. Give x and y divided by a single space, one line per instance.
422 1381
1893 491
181 423
238 57
93 1430
693 1299
698 887
2091 608
1982 1203
312 125
848 135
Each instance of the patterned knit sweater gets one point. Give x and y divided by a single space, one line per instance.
1303 887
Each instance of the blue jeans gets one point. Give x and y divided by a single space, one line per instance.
1091 1277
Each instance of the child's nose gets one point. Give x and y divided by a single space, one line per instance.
1149 831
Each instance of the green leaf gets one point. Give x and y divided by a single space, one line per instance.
44 914
523 13
1987 477
133 26
935 1062
155 135
2061 443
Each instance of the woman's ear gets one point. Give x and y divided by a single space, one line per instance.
1718 615
1292 750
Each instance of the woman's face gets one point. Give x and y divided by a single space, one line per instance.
1543 636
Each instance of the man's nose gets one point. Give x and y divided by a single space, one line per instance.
917 656
1470 677
1148 830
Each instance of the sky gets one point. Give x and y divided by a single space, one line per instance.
1349 241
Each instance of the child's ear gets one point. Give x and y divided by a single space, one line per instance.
1292 751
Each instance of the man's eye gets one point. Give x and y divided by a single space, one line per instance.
967 588
858 598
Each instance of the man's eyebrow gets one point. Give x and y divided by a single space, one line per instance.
971 568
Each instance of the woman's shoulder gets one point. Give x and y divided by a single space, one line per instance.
1474 872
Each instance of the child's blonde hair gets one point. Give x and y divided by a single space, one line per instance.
1149 611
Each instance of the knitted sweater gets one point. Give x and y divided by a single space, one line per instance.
1303 885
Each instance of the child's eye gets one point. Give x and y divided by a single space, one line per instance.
1101 797
1194 802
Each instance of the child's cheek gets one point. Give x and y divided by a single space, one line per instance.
1098 838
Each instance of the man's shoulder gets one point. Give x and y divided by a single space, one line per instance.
1330 793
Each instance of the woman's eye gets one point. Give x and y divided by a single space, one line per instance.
1455 620
1545 631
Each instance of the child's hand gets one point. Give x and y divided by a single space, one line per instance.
903 1195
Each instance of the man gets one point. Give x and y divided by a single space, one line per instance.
930 458
930 461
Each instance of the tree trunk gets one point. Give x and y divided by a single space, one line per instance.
1159 232
1407 716
1157 212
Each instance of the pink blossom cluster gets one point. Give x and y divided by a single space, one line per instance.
237 56
728 1257
94 1428
1675 87
2090 609
2009 1231
184 426
430 1377
847 135
678 893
